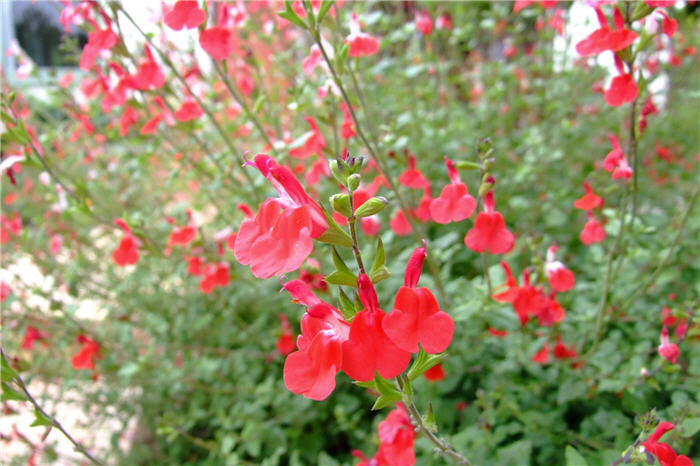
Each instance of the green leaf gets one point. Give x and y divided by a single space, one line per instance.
386 400
334 234
7 371
258 103
9 393
423 362
347 308
341 278
341 58
690 426
41 419
325 6
290 15
573 457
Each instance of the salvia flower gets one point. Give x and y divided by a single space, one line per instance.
417 317
127 252
454 203
588 201
396 435
89 351
489 232
592 231
369 349
279 238
184 14
663 451
310 371
360 43
666 349
560 278
605 38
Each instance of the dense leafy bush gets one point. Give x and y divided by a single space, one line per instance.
124 186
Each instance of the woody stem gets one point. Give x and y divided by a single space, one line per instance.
441 446
434 270
54 423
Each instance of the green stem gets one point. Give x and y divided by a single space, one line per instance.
54 422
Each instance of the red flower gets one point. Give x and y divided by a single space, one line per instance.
399 224
149 76
489 232
185 14
455 203
31 334
216 41
347 129
668 25
214 275
435 373
417 317
560 278
560 350
622 90
313 145
498 333
279 239
592 231
285 342
368 348
84 359
542 356
310 371
396 436
668 350
412 177
314 59
360 43
424 23
127 252
189 110
663 451
588 201
604 38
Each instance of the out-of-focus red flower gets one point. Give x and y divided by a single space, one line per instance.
189 110
489 232
184 14
605 38
360 43
285 342
560 278
588 201
396 436
622 90
423 22
666 349
399 224
84 358
592 231
542 356
216 41
31 335
127 252
454 203
435 373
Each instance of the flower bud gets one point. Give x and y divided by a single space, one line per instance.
354 182
483 146
341 204
337 169
466 165
371 206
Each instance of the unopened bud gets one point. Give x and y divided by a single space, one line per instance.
341 204
354 182
336 167
483 146
465 165
371 206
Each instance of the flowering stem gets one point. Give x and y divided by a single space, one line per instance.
487 276
666 258
54 423
441 446
353 234
434 271
608 278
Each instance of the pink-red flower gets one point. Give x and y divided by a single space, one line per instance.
417 317
616 161
663 451
89 351
127 252
423 22
489 232
369 349
412 177
360 43
588 201
666 349
396 435
310 371
189 110
216 41
560 278
604 38
184 14
592 231
279 238
454 203
31 335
